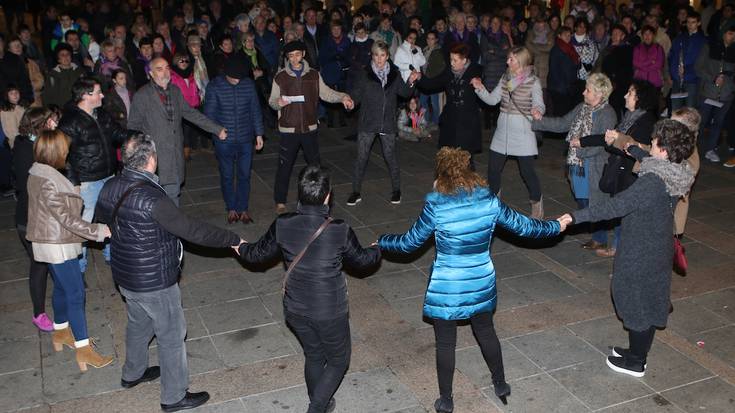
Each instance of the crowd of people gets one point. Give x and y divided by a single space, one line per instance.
104 102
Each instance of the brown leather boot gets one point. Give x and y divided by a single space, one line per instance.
62 338
88 355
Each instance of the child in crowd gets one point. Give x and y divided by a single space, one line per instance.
412 123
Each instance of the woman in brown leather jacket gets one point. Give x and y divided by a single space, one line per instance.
56 230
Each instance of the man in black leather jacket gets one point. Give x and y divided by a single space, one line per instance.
95 136
315 299
146 264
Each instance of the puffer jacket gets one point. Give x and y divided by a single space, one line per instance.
236 108
316 287
462 281
92 153
379 104
55 210
493 53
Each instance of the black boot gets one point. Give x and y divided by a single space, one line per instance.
444 405
502 390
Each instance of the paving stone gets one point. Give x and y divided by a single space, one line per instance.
194 325
653 404
64 381
689 318
470 362
234 315
15 292
217 289
513 264
201 355
601 333
17 325
668 368
721 302
721 343
21 390
254 344
14 269
712 395
538 393
398 285
702 256
552 349
597 386
508 298
540 287
596 273
411 310
20 355
570 253
218 259
232 406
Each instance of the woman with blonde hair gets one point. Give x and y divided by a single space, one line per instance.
593 116
56 230
462 213
518 92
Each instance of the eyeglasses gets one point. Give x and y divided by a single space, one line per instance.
184 61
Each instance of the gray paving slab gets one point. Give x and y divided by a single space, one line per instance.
711 395
63 381
602 333
539 393
411 310
235 315
540 287
720 302
21 390
20 355
690 318
654 404
721 343
15 293
254 344
668 368
556 348
14 269
513 264
232 406
200 353
17 325
398 285
517 366
217 287
597 386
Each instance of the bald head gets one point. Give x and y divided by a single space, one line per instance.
160 72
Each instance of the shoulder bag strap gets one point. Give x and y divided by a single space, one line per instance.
298 258
113 218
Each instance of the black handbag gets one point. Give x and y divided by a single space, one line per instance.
609 182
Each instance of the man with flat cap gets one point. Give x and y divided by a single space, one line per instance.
232 101
295 94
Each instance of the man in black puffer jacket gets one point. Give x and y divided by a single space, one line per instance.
95 136
146 254
315 299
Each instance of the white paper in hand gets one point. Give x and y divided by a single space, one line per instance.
295 99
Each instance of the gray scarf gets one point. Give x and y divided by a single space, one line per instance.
382 74
678 177
630 118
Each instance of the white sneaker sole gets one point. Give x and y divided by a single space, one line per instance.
354 203
624 371
615 354
395 202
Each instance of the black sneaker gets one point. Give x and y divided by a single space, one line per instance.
626 366
354 199
190 401
623 352
395 198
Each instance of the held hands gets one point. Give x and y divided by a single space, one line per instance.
222 134
611 135
236 248
258 143
476 83
574 143
537 115
348 103
106 231
564 220
413 77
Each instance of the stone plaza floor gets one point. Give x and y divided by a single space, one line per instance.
555 317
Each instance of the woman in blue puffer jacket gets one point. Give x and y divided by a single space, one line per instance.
462 214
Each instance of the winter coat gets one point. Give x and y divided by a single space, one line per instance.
462 108
22 162
564 76
689 46
616 62
115 107
360 54
594 158
379 105
58 84
708 68
435 62
316 287
469 38
268 44
462 280
513 134
641 281
540 53
188 88
145 247
13 70
648 62
148 115
92 153
493 55
334 60
236 108
408 56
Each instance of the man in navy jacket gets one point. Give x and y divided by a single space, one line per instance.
232 101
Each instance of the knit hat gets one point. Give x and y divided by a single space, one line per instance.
236 67
293 46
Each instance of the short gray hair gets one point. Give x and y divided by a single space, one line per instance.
137 150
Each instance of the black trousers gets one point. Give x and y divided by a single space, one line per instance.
37 277
495 166
327 349
289 149
445 332
640 343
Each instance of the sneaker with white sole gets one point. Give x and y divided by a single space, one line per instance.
712 156
626 366
730 163
623 352
354 199
395 197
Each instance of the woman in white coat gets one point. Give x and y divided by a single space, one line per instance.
518 92
409 57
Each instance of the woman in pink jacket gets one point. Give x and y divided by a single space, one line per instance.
182 75
648 58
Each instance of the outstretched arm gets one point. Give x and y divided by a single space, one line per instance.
419 232
264 250
524 226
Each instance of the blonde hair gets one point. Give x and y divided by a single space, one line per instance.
453 171
599 83
690 117
523 56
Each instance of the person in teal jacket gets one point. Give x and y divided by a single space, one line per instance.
462 214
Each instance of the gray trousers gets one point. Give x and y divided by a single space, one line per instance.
364 144
157 313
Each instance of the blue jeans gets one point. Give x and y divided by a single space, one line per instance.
90 191
432 115
716 116
233 157
690 101
68 297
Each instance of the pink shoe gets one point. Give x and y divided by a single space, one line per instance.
43 323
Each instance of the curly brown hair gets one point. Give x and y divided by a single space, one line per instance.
675 137
453 171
